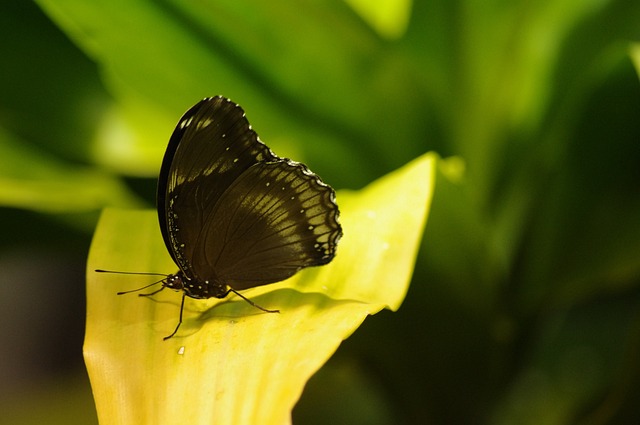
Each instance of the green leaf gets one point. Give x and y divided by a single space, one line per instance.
388 17
333 85
634 52
229 363
31 179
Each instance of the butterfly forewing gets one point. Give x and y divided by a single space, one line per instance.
212 145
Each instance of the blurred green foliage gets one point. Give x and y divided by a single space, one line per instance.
524 304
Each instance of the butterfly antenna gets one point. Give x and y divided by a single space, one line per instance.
252 303
138 273
119 272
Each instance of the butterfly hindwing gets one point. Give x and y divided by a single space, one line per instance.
275 219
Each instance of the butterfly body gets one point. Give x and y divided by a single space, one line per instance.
197 289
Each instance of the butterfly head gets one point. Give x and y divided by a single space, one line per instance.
174 281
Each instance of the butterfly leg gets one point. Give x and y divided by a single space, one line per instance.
251 302
151 293
179 320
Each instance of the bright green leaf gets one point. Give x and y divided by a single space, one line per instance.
635 56
315 61
32 179
388 17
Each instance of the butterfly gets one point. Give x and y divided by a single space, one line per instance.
233 214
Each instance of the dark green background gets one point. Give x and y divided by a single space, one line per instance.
524 307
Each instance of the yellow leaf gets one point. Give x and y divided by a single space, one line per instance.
230 363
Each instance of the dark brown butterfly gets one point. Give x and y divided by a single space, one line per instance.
233 214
